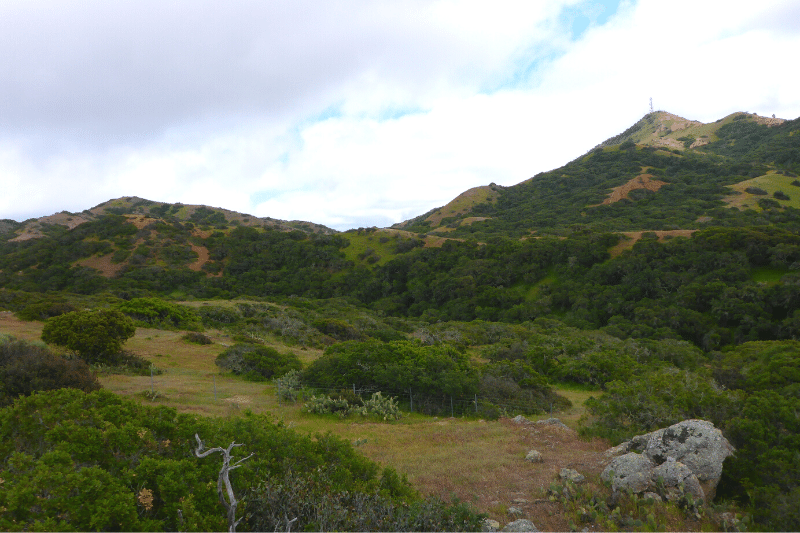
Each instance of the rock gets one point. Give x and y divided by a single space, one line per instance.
616 451
553 422
695 443
674 479
519 419
534 457
490 525
569 474
630 471
519 501
651 495
520 525
514 511
730 522
688 454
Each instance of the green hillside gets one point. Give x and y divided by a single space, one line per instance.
659 273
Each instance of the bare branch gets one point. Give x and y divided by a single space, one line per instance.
230 503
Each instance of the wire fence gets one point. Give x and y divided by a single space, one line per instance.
431 404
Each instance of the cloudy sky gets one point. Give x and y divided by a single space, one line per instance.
356 113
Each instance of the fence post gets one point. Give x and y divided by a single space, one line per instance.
354 389
411 399
215 387
451 408
476 403
151 382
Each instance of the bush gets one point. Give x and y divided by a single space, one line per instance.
72 461
155 313
95 335
287 387
196 338
755 190
26 368
257 362
378 405
780 195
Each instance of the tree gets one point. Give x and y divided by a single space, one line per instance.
95 335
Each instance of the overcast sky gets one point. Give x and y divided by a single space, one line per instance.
356 113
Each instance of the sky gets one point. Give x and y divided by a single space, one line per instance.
356 113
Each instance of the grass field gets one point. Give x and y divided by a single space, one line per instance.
478 461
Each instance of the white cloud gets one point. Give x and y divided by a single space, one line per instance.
353 113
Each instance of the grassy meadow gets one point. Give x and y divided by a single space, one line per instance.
478 461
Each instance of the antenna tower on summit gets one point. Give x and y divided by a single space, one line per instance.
651 104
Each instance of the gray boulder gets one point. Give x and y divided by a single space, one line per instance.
490 525
630 471
675 479
553 422
520 525
568 474
688 454
534 457
695 443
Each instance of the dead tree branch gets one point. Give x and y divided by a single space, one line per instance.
224 478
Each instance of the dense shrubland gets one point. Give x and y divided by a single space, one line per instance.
72 460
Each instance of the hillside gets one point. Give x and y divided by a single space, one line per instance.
640 285
663 173
142 209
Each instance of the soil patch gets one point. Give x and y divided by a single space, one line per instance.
642 181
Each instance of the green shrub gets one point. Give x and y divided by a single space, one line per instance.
196 338
378 405
83 462
287 387
755 190
218 316
95 335
156 313
257 362
26 368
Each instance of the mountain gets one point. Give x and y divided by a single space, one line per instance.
144 210
665 173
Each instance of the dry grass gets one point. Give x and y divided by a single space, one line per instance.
463 203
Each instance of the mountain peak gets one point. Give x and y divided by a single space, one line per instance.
667 130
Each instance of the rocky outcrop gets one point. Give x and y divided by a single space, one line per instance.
520 525
685 458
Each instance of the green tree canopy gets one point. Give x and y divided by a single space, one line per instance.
94 335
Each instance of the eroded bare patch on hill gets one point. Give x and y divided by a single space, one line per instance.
642 181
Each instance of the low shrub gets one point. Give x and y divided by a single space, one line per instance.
196 338
378 405
257 362
26 368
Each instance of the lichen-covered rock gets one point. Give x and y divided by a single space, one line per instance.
519 419
630 471
534 457
692 450
553 422
674 479
568 474
520 525
490 525
695 443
